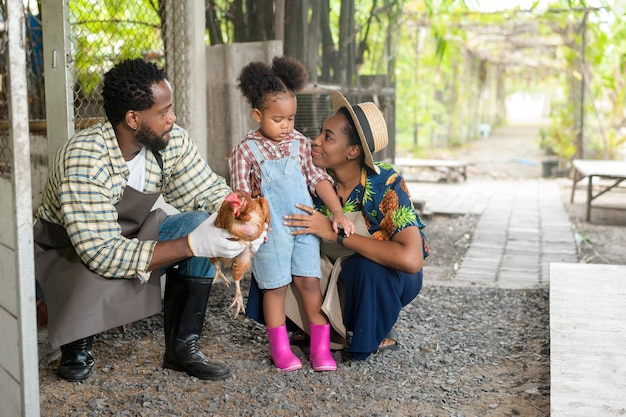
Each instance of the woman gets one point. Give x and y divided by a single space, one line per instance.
379 268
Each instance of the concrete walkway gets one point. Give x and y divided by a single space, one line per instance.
522 228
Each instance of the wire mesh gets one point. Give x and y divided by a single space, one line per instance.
34 77
175 43
102 32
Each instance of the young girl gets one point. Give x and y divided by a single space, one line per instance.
275 161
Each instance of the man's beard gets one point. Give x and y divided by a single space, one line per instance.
150 140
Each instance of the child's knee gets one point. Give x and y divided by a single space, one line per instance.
307 284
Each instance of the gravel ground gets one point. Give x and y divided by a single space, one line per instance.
464 352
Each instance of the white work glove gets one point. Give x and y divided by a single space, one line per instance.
256 243
208 241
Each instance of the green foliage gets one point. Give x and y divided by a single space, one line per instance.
107 31
438 87
560 135
441 76
612 145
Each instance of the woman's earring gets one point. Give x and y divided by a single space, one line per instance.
348 158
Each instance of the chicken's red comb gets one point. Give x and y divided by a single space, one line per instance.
231 198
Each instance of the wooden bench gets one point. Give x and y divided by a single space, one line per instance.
615 171
587 340
448 166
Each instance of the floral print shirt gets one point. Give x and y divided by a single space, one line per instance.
385 202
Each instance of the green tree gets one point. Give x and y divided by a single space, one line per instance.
109 30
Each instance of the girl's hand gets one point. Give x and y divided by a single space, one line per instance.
341 221
312 222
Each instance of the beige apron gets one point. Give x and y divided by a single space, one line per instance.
82 303
332 257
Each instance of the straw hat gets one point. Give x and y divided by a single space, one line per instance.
370 125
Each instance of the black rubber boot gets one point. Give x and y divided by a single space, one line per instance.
184 308
76 360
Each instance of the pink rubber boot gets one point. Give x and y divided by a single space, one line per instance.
283 357
321 358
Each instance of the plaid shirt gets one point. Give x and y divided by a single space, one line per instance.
245 172
87 178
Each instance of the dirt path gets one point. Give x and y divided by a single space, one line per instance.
512 152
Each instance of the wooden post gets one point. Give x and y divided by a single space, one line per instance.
580 135
279 20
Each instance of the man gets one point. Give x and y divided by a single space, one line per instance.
100 248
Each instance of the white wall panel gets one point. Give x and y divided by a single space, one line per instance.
9 395
9 354
8 290
7 222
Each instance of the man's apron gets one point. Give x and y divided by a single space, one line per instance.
332 259
82 303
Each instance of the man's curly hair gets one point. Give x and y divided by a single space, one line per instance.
258 80
128 86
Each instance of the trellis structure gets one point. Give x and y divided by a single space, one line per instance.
514 44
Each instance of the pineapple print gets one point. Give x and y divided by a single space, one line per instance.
390 203
368 192
363 176
379 235
387 227
404 187
396 217
403 217
385 165
391 179
325 211
350 206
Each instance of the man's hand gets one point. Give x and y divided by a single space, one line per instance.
256 243
208 241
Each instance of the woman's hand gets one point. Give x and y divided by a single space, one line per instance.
403 253
311 221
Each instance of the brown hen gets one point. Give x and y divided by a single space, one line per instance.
246 219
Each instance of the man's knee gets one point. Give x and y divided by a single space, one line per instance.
181 224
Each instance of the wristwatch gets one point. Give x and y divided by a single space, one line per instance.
341 235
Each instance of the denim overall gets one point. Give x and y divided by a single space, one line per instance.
284 255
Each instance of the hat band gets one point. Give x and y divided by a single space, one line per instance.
365 125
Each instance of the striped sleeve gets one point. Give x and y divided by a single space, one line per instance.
90 218
241 168
191 183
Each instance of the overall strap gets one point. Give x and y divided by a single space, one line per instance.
159 160
295 146
256 151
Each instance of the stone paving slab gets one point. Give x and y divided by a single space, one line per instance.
523 227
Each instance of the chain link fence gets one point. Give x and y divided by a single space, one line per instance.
34 72
102 32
